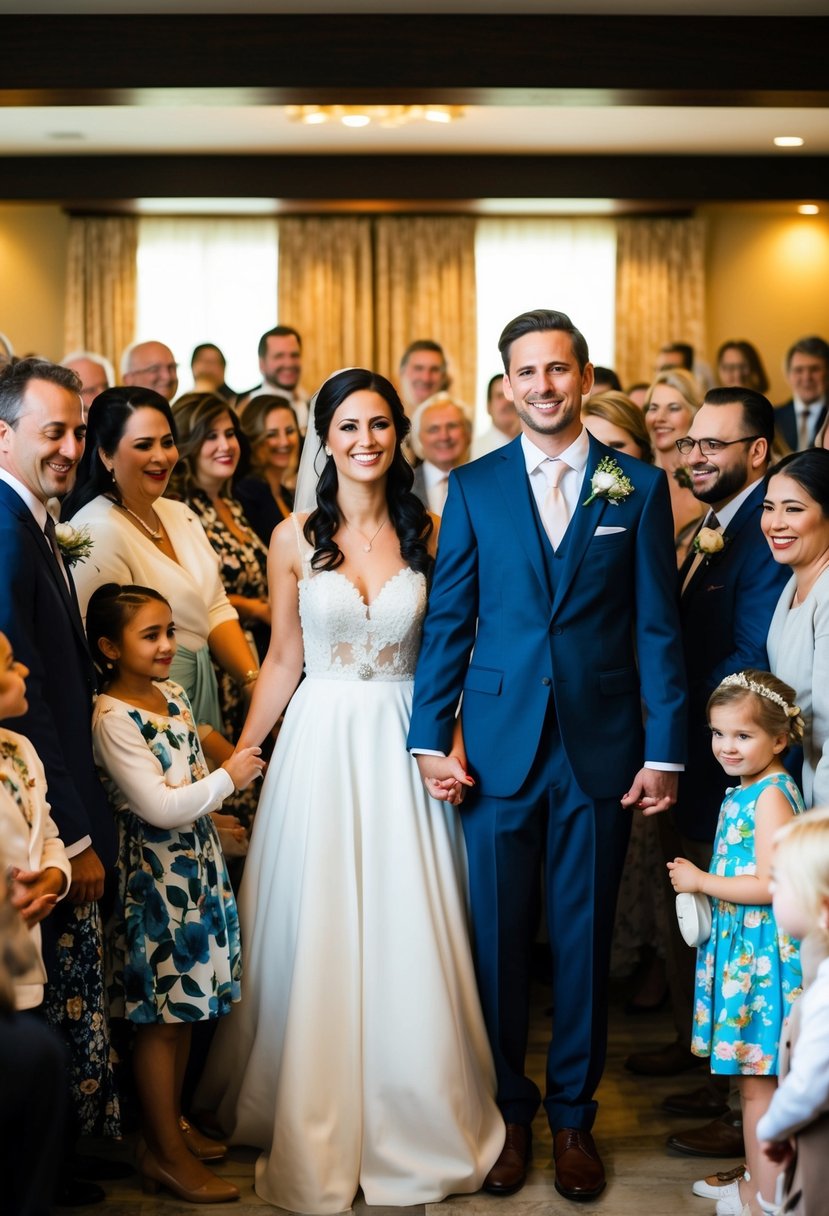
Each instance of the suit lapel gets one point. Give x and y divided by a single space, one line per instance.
747 512
583 524
47 557
512 476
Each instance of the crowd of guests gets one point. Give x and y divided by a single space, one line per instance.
125 508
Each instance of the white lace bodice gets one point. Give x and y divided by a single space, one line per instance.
345 638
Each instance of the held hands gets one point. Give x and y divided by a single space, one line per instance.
653 790
445 777
36 892
244 766
685 876
87 877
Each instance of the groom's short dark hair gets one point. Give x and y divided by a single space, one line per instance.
539 321
15 377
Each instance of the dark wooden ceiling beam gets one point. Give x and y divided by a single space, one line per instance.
116 60
666 179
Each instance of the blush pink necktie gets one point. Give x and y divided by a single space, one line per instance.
555 513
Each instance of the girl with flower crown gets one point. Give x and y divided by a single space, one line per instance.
174 935
748 972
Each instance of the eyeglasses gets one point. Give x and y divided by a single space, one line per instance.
155 369
710 447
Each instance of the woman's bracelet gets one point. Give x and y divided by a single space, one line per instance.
250 677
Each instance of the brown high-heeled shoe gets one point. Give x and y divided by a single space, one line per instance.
201 1146
154 1176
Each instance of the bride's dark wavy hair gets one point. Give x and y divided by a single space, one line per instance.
409 518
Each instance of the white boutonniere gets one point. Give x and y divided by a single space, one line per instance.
708 541
75 544
609 482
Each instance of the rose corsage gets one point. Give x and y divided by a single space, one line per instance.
75 544
609 482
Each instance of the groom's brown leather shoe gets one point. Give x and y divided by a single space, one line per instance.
579 1169
509 1173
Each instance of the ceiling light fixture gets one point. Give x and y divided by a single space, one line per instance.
809 209
788 141
384 116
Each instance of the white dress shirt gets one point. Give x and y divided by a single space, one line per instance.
437 486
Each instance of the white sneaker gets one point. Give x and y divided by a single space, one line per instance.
712 1186
729 1202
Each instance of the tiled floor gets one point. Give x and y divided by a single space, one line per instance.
644 1178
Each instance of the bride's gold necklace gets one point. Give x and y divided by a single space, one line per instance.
368 540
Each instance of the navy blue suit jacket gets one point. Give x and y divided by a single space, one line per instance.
604 645
39 614
785 422
725 614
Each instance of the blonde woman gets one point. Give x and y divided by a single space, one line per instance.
671 402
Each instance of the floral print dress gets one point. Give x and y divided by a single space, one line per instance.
243 568
173 940
748 972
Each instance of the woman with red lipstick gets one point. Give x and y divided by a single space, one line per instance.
141 537
210 450
795 521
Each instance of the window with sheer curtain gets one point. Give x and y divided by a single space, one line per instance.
208 280
522 264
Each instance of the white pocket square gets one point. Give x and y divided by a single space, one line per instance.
608 531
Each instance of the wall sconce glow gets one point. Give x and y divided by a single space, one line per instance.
809 209
788 141
385 116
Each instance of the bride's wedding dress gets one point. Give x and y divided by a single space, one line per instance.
358 1056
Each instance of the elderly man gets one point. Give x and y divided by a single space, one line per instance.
441 436
505 421
422 373
807 371
94 371
150 365
41 441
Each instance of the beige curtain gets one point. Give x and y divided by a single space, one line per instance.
325 291
660 291
101 285
424 276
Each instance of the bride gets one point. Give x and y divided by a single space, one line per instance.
358 1056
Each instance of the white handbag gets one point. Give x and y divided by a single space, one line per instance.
693 911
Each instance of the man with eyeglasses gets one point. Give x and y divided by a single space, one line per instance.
150 365
729 585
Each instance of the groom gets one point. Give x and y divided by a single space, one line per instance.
553 613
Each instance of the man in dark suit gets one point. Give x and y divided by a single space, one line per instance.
559 571
440 436
729 586
807 371
41 442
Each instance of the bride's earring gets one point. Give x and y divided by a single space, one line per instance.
327 450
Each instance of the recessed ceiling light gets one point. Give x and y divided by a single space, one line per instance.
809 209
788 141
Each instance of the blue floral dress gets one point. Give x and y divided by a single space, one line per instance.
748 972
173 951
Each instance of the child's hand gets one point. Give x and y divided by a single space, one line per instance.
684 875
778 1151
244 765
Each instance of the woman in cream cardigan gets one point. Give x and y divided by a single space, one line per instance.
140 537
796 524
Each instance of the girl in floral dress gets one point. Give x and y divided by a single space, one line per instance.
174 936
748 972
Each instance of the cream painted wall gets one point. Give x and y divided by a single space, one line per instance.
33 240
767 281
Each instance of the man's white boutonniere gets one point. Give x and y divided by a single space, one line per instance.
609 482
708 541
75 544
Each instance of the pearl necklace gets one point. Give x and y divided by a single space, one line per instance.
368 541
153 535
